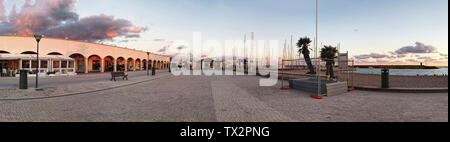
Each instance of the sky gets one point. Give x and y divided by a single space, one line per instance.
373 31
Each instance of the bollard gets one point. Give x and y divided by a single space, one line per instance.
23 83
385 78
153 71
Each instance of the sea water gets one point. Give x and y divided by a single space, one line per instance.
406 72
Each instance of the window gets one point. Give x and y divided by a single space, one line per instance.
34 64
25 64
71 63
44 64
63 64
55 64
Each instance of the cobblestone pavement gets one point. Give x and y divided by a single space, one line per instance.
225 98
13 82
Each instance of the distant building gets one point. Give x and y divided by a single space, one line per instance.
343 60
70 57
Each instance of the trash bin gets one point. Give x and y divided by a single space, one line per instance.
23 83
385 78
153 71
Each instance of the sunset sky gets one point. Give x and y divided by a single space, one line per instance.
373 31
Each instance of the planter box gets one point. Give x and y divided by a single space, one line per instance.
330 88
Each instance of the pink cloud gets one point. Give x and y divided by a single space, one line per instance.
57 18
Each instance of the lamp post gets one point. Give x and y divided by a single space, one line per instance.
148 59
319 90
38 39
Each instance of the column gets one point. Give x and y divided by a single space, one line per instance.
50 65
60 66
126 66
20 64
102 65
74 66
134 65
86 65
115 65
146 66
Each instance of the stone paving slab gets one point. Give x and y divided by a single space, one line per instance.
232 102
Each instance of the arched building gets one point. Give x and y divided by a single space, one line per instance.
69 56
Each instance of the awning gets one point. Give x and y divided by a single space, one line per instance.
33 57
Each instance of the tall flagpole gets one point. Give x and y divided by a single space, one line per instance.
319 86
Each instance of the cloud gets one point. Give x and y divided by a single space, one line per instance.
428 59
364 61
424 58
159 40
418 48
372 55
401 56
412 60
181 47
2 10
443 55
164 49
57 18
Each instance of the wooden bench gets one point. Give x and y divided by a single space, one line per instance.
118 74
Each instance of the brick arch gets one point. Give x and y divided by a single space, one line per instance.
79 62
108 64
94 63
120 64
130 64
138 63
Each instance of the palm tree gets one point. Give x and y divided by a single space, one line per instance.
303 45
328 54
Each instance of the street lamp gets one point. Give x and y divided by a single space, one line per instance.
38 39
148 59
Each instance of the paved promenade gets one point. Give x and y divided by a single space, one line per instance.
13 82
165 98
